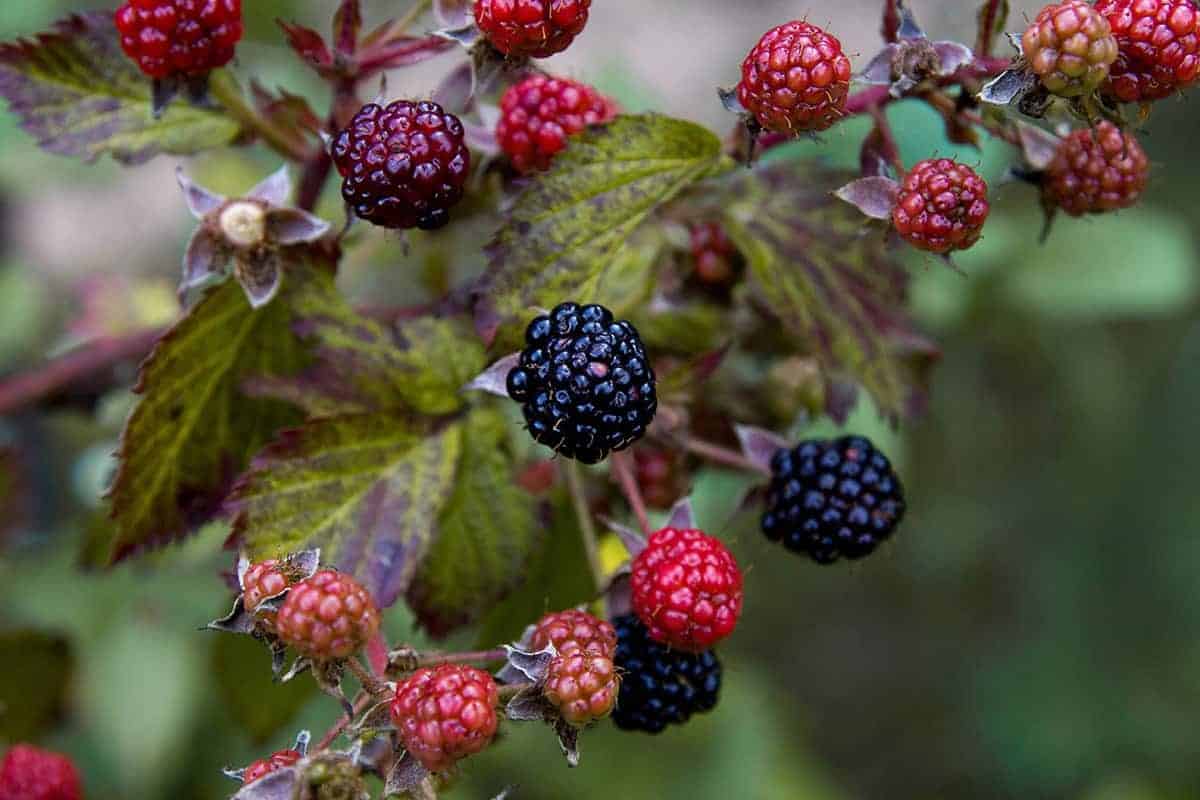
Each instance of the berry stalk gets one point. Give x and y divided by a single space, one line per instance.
587 528
622 471
224 90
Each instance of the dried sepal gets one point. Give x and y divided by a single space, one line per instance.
874 196
759 445
682 516
239 620
526 665
405 776
282 784
494 379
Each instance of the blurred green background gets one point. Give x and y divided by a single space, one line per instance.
1033 632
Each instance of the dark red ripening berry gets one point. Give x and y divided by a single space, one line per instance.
715 255
1158 43
404 165
796 79
1071 47
179 37
531 28
687 589
264 767
445 714
539 114
941 207
30 773
581 681
1096 170
328 616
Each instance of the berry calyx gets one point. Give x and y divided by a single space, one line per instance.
445 713
581 681
795 79
714 253
540 113
30 773
179 37
1158 43
404 165
584 383
264 767
687 589
832 498
661 686
1070 46
941 206
531 28
1096 170
328 616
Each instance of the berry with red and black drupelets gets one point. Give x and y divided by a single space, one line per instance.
404 165
30 773
715 257
581 681
540 113
832 498
795 80
660 686
265 766
1095 170
327 617
687 589
941 206
168 38
1070 46
531 28
445 714
1158 44
584 383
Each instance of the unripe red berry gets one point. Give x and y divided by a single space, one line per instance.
1071 47
179 37
1096 170
795 79
1158 44
715 255
531 28
581 681
264 767
30 773
328 616
445 713
539 114
687 589
941 206
404 165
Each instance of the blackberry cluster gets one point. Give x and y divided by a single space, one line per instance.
584 382
660 686
832 498
404 165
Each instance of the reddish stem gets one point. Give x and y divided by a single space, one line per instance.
361 704
891 21
474 657
722 455
622 470
987 27
891 150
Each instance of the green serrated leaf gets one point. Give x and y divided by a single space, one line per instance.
361 366
78 94
485 535
35 673
192 431
259 704
367 489
566 231
834 285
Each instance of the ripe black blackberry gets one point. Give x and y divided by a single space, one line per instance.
660 686
832 498
584 382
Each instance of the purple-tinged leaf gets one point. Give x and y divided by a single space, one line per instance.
526 666
78 94
405 776
879 70
260 275
1008 87
952 56
400 51
682 517
453 13
457 89
1038 145
875 197
481 138
875 156
347 25
367 489
200 201
205 262
633 540
308 44
909 28
494 379
292 226
466 36
282 784
759 445
618 596
275 189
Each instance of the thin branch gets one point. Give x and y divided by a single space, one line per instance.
361 704
366 677
587 527
724 456
622 471
474 657
988 21
224 90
